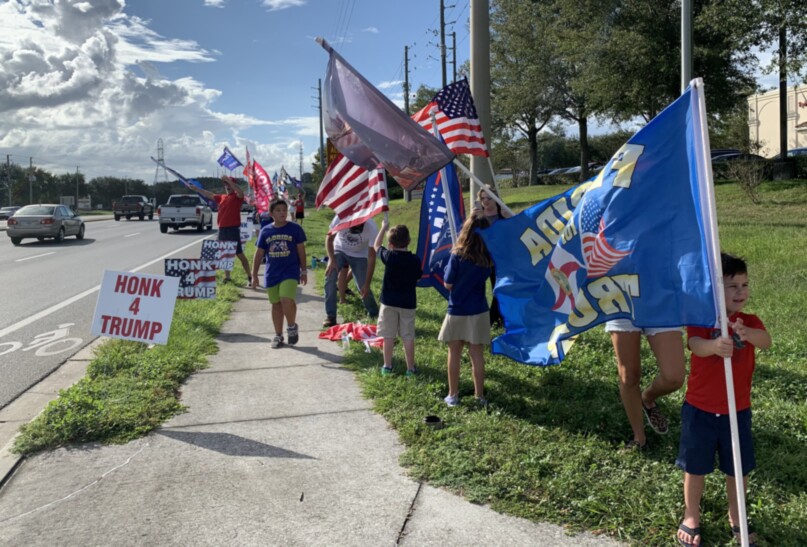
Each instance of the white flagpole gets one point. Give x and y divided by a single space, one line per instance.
452 222
707 195
484 187
493 174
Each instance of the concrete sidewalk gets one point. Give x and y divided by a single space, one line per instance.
278 447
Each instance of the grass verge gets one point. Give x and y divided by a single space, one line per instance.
130 389
548 447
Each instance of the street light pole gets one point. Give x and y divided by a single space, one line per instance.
76 209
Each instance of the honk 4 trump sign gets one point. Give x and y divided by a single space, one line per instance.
135 306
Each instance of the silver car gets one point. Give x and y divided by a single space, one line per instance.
43 221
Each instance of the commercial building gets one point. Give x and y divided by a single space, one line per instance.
763 120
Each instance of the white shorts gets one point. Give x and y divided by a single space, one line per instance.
625 325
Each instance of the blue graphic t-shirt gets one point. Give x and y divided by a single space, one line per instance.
280 246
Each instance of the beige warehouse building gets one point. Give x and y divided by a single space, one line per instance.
763 120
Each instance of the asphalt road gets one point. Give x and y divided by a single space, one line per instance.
47 285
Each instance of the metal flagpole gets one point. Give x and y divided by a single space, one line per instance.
452 223
484 187
707 195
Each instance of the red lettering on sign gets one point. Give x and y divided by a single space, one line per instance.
130 328
138 286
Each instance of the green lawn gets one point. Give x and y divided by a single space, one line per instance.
548 448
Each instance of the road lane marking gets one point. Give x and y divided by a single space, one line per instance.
35 256
73 299
134 234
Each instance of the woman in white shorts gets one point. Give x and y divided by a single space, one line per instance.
668 346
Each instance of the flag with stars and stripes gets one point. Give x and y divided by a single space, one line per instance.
457 120
354 193
599 254
434 235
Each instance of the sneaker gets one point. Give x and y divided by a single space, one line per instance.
294 334
634 446
658 422
411 373
386 371
277 341
452 400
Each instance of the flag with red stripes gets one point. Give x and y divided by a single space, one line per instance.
457 120
264 193
354 194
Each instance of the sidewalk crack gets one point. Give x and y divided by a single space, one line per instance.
77 492
409 514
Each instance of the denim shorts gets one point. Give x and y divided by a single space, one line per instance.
625 325
704 434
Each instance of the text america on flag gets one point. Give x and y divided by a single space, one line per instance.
457 120
354 193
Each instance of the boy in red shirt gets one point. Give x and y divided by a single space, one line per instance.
705 426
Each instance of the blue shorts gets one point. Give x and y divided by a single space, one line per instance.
704 433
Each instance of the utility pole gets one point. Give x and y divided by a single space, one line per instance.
31 179
480 82
454 54
686 43
406 80
301 162
443 39
321 137
8 177
76 209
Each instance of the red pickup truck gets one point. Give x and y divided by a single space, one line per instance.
133 206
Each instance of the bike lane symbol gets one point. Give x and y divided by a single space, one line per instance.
47 343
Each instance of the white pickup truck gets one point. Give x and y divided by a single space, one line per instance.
185 210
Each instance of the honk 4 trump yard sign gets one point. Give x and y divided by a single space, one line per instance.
135 306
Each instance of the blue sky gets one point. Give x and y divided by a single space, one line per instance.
93 84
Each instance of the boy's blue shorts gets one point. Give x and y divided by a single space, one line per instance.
703 434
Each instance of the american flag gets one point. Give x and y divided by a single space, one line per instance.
600 256
457 120
195 281
354 194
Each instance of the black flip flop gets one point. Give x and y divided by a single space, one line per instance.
735 530
692 533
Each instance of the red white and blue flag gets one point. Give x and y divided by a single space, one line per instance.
457 120
599 254
354 194
197 277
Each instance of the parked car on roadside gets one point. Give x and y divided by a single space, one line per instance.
6 212
722 164
44 221
792 153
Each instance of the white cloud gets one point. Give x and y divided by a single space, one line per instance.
275 5
390 84
79 87
214 3
371 30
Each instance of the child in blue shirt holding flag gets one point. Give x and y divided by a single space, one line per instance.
467 321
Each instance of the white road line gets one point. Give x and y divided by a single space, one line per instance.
134 234
44 313
35 256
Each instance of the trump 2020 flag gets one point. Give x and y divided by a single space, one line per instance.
228 160
457 120
630 244
434 234
370 130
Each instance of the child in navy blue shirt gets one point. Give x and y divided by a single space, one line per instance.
398 297
468 319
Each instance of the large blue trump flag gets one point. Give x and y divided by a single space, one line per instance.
629 244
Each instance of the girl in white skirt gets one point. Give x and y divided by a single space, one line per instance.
467 320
